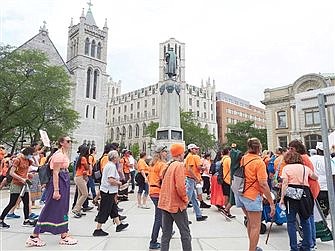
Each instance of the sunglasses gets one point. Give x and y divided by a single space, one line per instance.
68 141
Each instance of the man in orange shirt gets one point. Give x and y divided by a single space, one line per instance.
173 200
192 171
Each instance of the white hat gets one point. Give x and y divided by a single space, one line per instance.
319 145
192 146
312 152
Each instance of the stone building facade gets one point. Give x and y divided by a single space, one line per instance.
230 110
130 113
292 111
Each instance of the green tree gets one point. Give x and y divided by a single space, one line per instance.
135 150
150 131
240 132
195 134
34 95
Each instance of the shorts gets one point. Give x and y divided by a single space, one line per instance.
249 205
226 189
108 207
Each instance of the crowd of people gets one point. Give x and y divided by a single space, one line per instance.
174 179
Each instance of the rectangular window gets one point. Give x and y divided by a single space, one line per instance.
131 116
211 107
198 114
153 101
113 111
125 108
205 105
153 112
124 117
190 101
138 105
312 118
281 117
198 103
145 103
282 140
119 109
205 115
131 107
145 114
138 115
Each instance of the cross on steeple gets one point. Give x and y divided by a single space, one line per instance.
89 4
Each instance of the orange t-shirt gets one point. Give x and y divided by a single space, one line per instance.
226 161
21 166
2 153
193 162
254 172
279 162
154 178
103 162
173 195
142 166
125 164
82 170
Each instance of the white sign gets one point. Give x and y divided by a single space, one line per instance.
45 139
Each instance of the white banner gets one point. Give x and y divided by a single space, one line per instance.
45 139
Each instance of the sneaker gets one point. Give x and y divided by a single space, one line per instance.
68 240
42 202
122 226
76 215
12 216
119 209
156 245
85 209
29 223
227 214
189 222
4 225
145 207
208 197
202 218
34 242
189 205
258 249
122 217
33 216
99 232
204 205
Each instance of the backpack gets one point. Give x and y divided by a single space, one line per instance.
45 173
220 173
238 182
96 170
271 165
212 168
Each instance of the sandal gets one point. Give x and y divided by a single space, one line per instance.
68 240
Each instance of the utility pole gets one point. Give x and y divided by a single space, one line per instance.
330 183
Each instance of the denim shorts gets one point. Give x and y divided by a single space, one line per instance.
249 205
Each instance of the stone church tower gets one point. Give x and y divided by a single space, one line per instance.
87 60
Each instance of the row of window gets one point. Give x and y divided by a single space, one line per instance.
245 115
135 94
131 116
312 118
204 115
190 102
310 141
87 110
138 106
92 48
122 133
89 75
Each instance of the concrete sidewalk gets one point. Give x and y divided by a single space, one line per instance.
214 234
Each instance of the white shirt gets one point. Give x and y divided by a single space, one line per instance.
132 163
320 170
109 171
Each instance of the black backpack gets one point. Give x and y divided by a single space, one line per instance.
238 182
96 170
45 173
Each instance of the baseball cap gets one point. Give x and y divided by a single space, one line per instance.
192 146
176 149
161 149
233 145
319 145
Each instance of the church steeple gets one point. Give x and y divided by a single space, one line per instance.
89 16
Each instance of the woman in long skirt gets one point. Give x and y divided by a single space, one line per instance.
54 216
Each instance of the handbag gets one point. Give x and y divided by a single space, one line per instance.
295 193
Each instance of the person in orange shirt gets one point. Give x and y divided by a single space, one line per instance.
251 201
193 166
173 200
143 170
297 146
81 178
125 167
2 152
156 168
206 163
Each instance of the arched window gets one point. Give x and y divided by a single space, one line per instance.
88 82
99 51
310 141
124 132
86 111
144 146
130 131
112 134
117 136
113 90
87 46
94 112
95 83
144 129
137 131
93 49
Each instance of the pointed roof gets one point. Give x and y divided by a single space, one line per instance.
89 18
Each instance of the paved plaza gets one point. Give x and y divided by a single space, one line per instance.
214 234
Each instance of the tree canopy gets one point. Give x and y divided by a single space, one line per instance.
34 95
240 132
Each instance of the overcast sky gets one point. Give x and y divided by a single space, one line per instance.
246 46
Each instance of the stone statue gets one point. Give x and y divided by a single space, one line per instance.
171 63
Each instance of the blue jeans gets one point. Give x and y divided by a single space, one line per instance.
157 222
291 214
192 196
91 185
44 195
313 231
